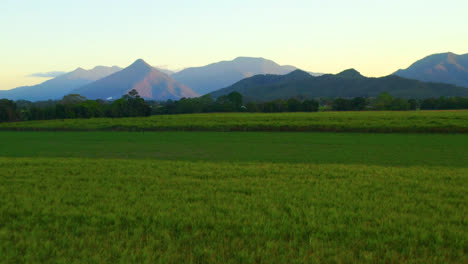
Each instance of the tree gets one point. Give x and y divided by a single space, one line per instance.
7 110
359 104
252 107
383 101
294 105
72 99
130 105
236 100
413 104
341 104
310 106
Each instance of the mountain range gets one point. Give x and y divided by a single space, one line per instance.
218 75
349 83
443 68
149 82
59 86
258 78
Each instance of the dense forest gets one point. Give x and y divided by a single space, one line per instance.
132 105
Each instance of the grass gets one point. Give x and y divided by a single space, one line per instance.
324 148
386 122
127 211
214 197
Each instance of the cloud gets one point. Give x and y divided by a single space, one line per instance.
51 74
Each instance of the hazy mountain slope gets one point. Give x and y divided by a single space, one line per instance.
222 74
166 71
443 68
349 83
59 86
148 81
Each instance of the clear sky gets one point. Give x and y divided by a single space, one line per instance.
376 37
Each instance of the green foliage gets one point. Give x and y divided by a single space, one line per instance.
445 103
383 102
355 104
366 121
235 99
76 106
387 102
72 99
7 110
130 105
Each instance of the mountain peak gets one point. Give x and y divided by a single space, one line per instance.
79 69
222 74
145 79
140 62
350 73
445 67
247 58
77 73
298 74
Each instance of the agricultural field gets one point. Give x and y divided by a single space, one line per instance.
219 197
386 122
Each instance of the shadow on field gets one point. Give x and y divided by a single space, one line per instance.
316 148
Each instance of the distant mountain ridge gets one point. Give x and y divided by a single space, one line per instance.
214 76
59 86
207 78
349 83
149 82
443 68
434 72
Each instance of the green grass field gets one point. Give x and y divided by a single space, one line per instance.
387 122
217 197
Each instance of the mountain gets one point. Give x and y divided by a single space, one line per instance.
443 68
246 86
166 71
349 83
222 74
148 81
59 86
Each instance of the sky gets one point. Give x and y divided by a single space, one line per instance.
375 37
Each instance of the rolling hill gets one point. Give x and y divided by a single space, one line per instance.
59 86
147 80
214 76
442 68
349 83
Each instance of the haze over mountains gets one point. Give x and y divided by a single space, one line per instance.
218 75
59 86
349 83
258 78
443 68
149 82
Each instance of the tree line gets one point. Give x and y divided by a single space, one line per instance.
74 106
233 102
132 105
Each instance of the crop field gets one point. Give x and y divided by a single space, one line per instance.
386 122
217 197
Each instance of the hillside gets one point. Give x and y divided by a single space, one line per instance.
349 83
245 86
442 68
59 86
214 76
148 81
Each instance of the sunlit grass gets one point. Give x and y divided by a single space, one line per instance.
407 121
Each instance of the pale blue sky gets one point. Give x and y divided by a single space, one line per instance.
375 37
